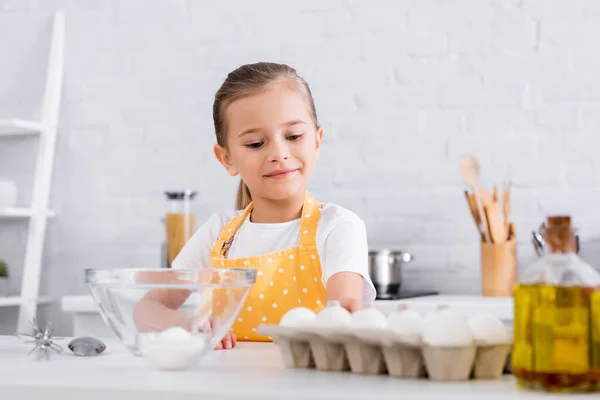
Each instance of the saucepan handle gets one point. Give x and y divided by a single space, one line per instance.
401 257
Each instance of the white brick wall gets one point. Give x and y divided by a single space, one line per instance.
402 87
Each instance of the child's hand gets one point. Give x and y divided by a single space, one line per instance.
210 325
351 304
228 342
346 287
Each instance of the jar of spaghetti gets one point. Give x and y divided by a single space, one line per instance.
179 222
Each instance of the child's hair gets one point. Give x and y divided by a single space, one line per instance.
247 80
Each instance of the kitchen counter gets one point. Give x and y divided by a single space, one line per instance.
250 371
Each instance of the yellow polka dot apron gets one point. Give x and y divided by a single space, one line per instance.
284 279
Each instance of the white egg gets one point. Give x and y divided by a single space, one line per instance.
174 334
446 327
177 354
298 316
407 322
368 317
333 315
487 328
173 349
429 318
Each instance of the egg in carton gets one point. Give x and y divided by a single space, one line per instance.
401 344
292 336
448 347
362 341
494 343
330 330
458 349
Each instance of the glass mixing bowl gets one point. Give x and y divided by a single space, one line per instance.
171 317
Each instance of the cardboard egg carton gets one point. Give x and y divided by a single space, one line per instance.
382 351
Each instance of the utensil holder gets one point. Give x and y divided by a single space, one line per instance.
498 268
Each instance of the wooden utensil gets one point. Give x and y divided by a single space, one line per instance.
506 203
469 172
474 212
511 231
485 196
495 222
495 193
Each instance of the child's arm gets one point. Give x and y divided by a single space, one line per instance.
347 288
158 310
345 261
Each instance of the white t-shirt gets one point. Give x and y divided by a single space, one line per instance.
341 243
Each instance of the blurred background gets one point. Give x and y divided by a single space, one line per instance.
403 89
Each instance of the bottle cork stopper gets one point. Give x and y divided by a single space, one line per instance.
559 235
559 221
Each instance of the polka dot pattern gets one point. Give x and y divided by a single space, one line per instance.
284 280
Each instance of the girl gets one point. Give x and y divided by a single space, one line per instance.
267 133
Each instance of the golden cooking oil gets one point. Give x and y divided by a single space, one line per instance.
557 318
557 338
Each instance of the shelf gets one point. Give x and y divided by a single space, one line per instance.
18 300
23 213
18 127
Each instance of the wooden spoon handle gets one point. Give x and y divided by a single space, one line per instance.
475 213
483 225
496 223
506 204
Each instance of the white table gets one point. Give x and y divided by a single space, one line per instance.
250 371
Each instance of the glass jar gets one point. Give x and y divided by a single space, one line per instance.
179 222
557 317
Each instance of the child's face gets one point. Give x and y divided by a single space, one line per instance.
272 143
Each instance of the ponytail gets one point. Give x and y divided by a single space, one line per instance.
244 198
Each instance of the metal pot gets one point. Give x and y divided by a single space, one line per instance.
385 270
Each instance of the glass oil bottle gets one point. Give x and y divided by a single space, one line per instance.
557 318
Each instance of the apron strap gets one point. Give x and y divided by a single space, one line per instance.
311 213
226 235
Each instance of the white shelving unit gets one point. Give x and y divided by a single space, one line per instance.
46 130
23 213
14 127
18 300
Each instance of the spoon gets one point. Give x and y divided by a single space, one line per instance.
469 172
